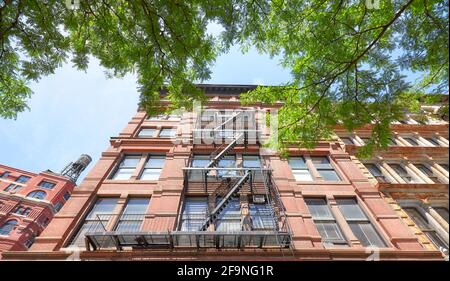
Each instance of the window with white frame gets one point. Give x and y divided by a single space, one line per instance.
428 172
376 172
403 173
347 140
412 141
359 223
423 223
126 167
325 222
133 215
300 169
195 212
443 212
147 133
96 221
167 133
325 168
433 141
153 167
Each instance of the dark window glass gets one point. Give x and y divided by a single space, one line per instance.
443 212
133 215
22 179
37 194
376 172
66 196
47 184
4 175
427 171
347 140
412 141
433 141
360 225
325 169
7 227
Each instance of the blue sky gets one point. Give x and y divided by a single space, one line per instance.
73 112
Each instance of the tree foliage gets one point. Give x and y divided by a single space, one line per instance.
346 56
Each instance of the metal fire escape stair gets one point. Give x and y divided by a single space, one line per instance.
225 151
224 202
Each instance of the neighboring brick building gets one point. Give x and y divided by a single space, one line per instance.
162 190
412 174
28 202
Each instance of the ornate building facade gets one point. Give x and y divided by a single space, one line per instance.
200 186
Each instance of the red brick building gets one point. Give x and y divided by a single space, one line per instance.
28 202
200 186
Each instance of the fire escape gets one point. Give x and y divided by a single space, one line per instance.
224 185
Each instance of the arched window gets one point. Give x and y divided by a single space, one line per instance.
7 227
37 194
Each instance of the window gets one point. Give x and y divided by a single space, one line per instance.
366 140
428 172
47 185
66 196
252 161
347 140
9 187
299 169
360 225
195 212
422 222
7 227
96 220
58 206
325 222
376 172
133 215
147 133
22 179
126 167
325 169
262 217
30 241
198 161
445 166
433 141
153 167
228 161
4 175
391 141
411 141
167 133
169 117
403 173
21 210
37 194
16 188
443 212
229 220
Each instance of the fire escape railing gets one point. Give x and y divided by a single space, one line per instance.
278 233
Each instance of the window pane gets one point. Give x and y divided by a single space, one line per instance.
130 161
251 161
424 169
366 234
137 206
147 132
302 175
350 209
412 141
22 179
262 217
195 212
155 161
319 209
329 231
166 133
7 227
321 162
229 219
437 241
227 162
329 175
443 212
297 163
123 174
445 166
417 218
102 206
376 172
150 174
432 141
46 184
347 140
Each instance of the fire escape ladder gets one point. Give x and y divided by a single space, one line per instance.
225 151
225 200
